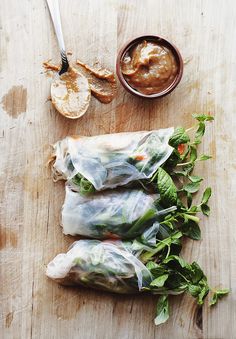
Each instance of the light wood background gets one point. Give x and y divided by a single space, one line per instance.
205 31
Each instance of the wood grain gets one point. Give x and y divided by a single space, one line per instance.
31 305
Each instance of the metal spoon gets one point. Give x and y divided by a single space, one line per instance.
70 91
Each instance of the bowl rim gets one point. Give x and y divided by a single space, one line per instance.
165 42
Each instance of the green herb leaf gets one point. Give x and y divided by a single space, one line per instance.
158 271
191 229
206 195
174 159
194 290
192 187
160 281
162 310
189 199
200 131
196 273
177 259
180 173
179 137
193 209
151 264
195 178
218 295
161 245
205 209
166 188
198 286
204 291
203 117
193 153
86 187
204 157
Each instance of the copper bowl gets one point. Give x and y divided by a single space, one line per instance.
161 41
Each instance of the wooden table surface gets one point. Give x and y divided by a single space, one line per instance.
33 306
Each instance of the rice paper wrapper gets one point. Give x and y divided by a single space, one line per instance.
104 265
123 214
112 160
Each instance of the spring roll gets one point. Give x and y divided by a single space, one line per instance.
123 214
115 266
111 160
106 265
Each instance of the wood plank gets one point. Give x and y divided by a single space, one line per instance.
31 305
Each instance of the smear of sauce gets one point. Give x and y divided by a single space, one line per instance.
71 93
14 102
7 238
102 81
49 66
9 318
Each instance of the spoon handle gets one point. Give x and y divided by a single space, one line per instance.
54 10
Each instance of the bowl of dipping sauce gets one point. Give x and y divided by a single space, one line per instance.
149 66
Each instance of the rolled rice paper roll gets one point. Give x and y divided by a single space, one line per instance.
102 265
111 160
123 214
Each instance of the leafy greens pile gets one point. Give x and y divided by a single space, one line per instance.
177 186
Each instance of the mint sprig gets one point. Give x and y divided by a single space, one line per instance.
177 185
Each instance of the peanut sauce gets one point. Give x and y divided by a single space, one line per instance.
149 67
71 93
102 81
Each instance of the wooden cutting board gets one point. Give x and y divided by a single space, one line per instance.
31 305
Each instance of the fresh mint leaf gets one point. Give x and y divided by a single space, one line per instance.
204 291
198 286
203 117
197 141
204 157
200 131
162 310
218 294
191 229
196 274
193 153
189 199
180 173
166 188
188 168
193 209
206 195
179 137
151 264
161 245
158 271
191 187
177 259
86 187
205 209
195 178
194 290
173 160
160 281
